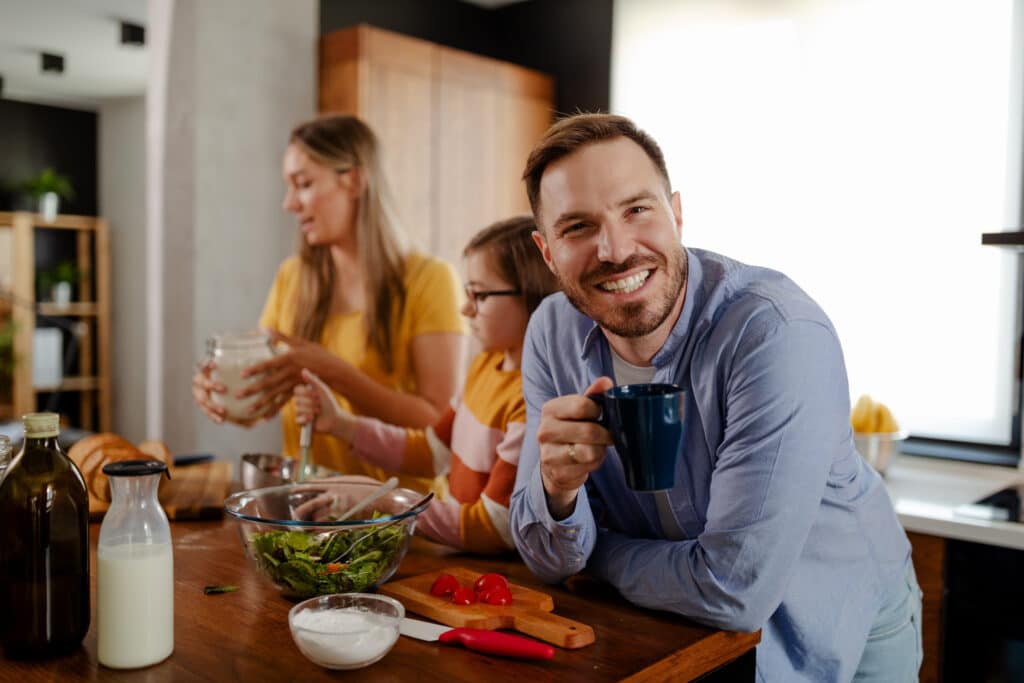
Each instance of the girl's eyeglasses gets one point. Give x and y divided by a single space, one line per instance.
477 297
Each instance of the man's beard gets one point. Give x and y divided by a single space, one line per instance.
637 318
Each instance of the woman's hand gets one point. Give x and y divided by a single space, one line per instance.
203 388
315 402
277 377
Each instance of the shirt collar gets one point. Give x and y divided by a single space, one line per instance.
677 337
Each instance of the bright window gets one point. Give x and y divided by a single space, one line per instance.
861 147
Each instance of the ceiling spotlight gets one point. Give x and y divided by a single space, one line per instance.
132 34
52 62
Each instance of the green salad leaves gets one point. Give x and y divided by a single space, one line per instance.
305 564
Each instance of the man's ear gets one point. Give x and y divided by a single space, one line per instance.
677 212
542 244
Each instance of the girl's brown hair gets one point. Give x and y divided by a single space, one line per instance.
512 252
343 142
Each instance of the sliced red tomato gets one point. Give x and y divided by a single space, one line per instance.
463 596
488 581
497 596
445 584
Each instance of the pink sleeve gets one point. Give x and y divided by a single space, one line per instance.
440 523
380 444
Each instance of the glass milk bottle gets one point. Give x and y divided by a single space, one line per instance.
135 573
44 547
231 353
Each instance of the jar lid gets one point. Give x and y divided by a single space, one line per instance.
38 425
134 468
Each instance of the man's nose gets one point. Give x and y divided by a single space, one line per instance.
615 243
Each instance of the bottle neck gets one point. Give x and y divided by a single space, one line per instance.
40 444
133 490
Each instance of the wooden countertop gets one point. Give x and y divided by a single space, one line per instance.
244 636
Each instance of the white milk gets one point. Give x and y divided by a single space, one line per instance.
135 611
229 372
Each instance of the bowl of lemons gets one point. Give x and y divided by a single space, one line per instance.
876 433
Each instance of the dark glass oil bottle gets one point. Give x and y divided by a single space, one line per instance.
44 547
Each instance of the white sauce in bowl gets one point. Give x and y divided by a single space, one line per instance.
347 638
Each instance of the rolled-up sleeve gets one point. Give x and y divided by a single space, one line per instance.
785 411
552 549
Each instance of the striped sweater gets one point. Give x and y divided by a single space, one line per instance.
476 443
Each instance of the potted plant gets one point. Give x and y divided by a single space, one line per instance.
57 283
48 188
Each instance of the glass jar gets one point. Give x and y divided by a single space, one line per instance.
231 353
5 453
135 572
44 547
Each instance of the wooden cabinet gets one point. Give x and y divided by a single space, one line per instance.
88 317
455 128
929 555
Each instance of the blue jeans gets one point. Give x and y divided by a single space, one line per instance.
893 651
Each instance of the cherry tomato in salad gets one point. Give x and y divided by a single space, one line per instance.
463 596
445 584
489 581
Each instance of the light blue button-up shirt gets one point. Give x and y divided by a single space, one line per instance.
787 529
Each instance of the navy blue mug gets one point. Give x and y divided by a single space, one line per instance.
646 423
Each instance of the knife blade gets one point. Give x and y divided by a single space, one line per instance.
478 639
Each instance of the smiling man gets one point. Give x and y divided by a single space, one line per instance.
775 522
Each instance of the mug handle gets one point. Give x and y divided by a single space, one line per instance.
602 419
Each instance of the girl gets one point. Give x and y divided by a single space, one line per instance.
476 443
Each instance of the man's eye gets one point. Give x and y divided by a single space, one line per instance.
637 209
575 227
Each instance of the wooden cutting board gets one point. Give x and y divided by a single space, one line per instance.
529 613
193 492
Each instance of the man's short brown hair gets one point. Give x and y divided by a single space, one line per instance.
573 132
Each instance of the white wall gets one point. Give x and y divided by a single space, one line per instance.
122 189
229 81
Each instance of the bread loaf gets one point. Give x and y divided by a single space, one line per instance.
97 450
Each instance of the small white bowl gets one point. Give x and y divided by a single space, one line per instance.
878 447
346 630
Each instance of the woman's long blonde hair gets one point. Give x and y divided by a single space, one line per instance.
341 142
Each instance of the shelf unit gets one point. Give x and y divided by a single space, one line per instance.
92 249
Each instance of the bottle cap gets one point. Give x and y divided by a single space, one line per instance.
41 425
134 468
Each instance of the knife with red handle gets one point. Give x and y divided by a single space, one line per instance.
479 640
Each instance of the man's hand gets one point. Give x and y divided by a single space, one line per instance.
572 445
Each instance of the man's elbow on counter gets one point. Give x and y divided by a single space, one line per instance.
728 614
548 567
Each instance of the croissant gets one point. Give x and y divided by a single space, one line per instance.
93 452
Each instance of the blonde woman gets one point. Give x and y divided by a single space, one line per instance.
377 322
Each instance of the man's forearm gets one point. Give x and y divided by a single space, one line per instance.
561 504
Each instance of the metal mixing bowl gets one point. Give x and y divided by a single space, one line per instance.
260 470
877 448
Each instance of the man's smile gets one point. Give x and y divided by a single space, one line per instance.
625 285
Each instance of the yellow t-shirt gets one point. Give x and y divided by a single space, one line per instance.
432 302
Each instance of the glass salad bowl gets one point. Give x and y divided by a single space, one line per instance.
294 537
